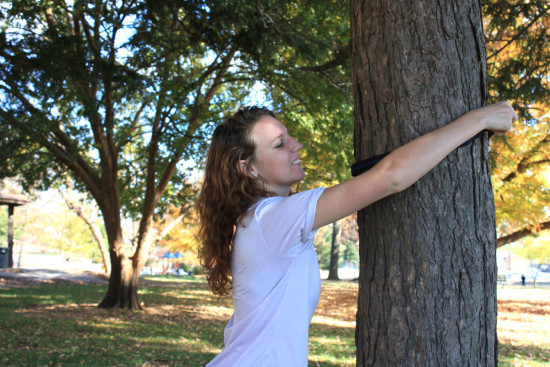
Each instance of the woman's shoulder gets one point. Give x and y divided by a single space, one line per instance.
293 201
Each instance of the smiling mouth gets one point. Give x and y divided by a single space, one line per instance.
297 161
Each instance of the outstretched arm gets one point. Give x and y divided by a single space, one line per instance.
404 166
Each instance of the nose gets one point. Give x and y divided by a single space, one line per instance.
296 145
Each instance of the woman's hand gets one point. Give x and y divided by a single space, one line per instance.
497 117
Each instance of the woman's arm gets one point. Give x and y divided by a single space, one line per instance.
404 166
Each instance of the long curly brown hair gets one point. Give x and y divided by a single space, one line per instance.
226 194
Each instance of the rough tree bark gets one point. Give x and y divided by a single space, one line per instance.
427 292
126 263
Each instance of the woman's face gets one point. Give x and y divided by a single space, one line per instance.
276 160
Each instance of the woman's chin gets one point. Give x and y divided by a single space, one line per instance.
301 176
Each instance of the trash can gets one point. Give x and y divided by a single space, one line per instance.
3 257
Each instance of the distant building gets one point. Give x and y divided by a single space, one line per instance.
508 262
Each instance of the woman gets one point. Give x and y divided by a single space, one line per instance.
258 239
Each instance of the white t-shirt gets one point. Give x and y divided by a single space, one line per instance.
276 284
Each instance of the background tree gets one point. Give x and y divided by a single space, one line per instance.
86 210
427 292
518 64
347 244
336 239
175 232
521 181
118 93
113 93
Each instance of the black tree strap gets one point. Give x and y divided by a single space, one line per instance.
366 164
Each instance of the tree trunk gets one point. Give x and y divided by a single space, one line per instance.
20 262
125 268
10 235
96 232
124 279
427 283
123 282
335 250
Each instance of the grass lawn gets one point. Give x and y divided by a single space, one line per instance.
524 326
58 324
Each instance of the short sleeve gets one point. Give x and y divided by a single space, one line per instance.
286 223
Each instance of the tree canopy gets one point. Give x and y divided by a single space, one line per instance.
148 82
117 94
518 54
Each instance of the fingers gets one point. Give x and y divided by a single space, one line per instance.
514 114
501 116
500 132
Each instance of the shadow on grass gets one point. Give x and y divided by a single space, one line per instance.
524 306
332 345
509 355
182 325
54 324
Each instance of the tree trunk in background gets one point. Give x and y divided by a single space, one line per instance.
335 250
77 207
10 235
20 262
125 265
427 284
122 291
124 280
96 232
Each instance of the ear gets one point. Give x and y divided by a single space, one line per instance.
247 169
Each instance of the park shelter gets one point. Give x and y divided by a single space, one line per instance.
11 201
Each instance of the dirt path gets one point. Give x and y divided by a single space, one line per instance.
33 276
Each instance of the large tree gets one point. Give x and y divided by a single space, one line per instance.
116 94
518 65
113 93
427 292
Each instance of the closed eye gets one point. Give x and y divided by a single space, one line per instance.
281 144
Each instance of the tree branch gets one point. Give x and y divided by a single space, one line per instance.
519 33
340 57
195 121
78 209
216 84
226 62
524 165
78 166
125 139
70 149
504 240
51 23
